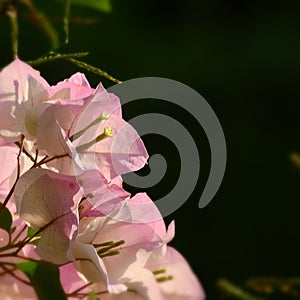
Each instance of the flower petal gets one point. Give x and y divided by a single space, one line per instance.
92 267
49 201
14 89
184 285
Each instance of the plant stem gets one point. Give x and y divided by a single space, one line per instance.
28 239
52 57
46 159
43 22
12 14
94 70
67 20
80 289
18 175
19 234
26 152
230 288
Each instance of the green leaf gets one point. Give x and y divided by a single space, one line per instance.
101 5
44 278
28 267
5 219
33 232
92 296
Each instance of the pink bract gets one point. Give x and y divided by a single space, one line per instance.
76 145
49 201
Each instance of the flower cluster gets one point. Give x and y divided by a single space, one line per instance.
63 149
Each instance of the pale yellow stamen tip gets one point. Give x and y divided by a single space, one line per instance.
104 116
108 131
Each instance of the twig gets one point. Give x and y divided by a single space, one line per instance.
14 275
52 57
19 234
80 289
46 159
29 239
67 20
43 23
26 152
94 70
12 14
18 175
230 288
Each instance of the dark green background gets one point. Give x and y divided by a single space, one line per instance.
243 57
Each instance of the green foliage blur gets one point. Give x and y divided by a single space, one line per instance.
243 58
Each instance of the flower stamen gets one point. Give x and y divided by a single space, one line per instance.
107 132
103 116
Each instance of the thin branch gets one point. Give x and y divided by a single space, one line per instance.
29 239
19 234
36 157
80 289
236 291
67 20
14 275
73 58
94 70
25 152
52 57
18 175
12 14
43 22
46 159
60 20
28 258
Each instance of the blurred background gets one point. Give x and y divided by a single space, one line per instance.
243 57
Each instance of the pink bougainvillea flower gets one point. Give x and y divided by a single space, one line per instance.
122 151
49 201
75 87
101 137
114 249
24 95
69 114
142 287
176 279
30 107
69 95
101 197
77 145
21 89
170 278
151 270
8 161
